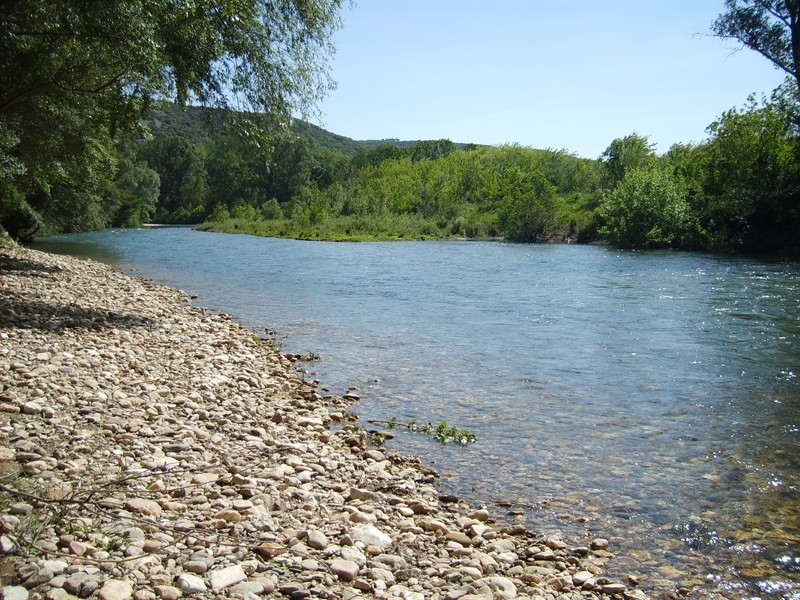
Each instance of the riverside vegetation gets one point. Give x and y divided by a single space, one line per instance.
736 191
150 449
76 154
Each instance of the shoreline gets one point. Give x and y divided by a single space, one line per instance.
152 449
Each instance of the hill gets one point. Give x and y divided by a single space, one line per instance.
195 122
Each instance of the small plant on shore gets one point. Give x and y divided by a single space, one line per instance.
443 432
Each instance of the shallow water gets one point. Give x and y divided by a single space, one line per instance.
649 398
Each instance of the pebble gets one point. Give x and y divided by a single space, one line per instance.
167 592
210 470
191 584
346 570
14 592
370 535
317 540
114 589
225 578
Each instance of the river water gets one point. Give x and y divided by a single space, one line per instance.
651 398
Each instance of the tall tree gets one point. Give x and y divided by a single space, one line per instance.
770 27
624 154
73 70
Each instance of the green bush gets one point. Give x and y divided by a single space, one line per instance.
648 209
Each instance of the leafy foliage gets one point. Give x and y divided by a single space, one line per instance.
78 77
443 432
624 154
770 27
753 180
648 209
76 74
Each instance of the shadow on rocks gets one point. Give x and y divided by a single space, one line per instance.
22 266
22 313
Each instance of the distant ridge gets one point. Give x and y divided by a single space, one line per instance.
195 122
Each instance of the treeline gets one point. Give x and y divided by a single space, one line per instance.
79 77
737 191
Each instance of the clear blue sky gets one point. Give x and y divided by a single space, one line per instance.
562 74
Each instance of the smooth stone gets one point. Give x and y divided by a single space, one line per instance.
317 540
56 566
378 574
457 536
14 592
369 535
198 567
20 508
255 588
502 587
224 578
115 589
354 554
167 592
7 545
359 494
270 549
230 515
151 508
599 544
581 577
42 575
31 408
346 570
191 584
614 588
481 515
204 478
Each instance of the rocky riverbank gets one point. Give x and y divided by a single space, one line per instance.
151 449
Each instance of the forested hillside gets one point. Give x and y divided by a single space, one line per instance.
88 140
737 191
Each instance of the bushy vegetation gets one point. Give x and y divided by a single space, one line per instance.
737 191
72 160
433 190
75 77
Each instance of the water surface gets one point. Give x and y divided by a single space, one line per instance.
649 398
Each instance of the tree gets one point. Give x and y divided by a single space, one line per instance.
432 149
526 205
183 179
76 70
623 154
133 193
648 209
753 182
770 27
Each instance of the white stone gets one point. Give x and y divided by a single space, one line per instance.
354 554
191 584
14 592
369 535
56 566
224 578
115 589
7 545
502 587
146 507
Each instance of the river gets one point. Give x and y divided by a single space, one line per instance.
651 398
